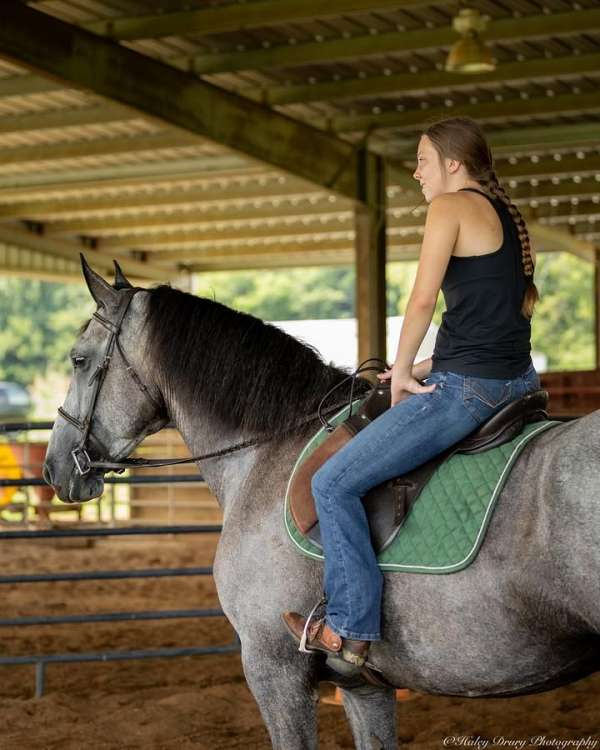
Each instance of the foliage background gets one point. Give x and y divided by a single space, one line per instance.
562 325
39 320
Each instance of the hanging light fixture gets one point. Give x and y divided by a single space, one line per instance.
469 54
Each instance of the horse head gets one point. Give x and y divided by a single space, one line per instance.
112 402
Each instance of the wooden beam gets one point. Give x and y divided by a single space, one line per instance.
82 59
525 139
25 85
284 260
153 174
70 251
597 306
241 17
486 112
156 142
436 81
181 241
561 240
97 114
584 229
316 229
271 188
19 261
525 192
227 218
518 167
533 27
370 249
312 252
195 251
247 219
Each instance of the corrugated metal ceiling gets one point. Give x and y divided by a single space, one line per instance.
81 169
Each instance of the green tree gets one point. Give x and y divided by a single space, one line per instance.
290 294
39 320
563 320
38 324
562 326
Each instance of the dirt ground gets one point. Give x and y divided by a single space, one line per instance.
203 702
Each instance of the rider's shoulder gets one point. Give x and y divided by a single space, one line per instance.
443 207
445 202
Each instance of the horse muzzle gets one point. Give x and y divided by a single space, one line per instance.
76 487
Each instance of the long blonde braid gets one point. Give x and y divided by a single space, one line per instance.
491 183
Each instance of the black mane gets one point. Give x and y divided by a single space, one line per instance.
245 373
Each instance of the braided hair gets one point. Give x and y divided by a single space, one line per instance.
462 139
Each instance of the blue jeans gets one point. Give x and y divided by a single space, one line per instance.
416 429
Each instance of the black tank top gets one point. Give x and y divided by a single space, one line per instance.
483 332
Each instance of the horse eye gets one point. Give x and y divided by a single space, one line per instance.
78 361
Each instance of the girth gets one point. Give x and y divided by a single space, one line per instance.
388 503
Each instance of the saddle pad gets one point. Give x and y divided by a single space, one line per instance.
445 527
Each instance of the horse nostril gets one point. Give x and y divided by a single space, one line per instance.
47 474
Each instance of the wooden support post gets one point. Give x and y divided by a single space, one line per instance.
370 255
597 306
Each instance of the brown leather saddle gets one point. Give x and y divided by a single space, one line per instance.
388 503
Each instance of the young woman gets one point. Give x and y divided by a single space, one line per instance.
475 248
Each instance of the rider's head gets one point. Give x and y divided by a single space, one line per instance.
453 154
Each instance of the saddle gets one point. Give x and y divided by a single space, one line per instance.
388 503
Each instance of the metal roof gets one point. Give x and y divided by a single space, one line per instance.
83 171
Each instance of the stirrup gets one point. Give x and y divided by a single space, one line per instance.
302 647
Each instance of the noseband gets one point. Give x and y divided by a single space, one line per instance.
81 458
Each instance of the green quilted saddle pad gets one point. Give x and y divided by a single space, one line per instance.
445 527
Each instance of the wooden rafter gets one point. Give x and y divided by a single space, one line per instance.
434 82
167 139
510 30
560 240
97 114
11 235
522 139
83 59
491 112
125 177
273 189
238 16
304 212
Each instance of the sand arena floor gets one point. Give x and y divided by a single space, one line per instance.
200 702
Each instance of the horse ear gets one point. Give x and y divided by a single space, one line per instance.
101 290
121 281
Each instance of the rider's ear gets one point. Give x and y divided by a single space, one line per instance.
101 290
121 281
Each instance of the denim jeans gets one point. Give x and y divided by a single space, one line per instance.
416 429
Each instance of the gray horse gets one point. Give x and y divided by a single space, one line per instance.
524 617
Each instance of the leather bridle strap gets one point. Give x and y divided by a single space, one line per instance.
147 463
80 455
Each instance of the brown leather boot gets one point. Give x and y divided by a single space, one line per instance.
344 654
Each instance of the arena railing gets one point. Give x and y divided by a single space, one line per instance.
40 661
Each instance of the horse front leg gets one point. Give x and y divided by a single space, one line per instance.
282 683
371 713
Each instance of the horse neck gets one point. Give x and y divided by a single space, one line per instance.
201 434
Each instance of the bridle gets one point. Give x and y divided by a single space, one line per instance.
80 454
83 463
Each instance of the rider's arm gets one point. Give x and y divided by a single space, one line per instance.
439 238
422 369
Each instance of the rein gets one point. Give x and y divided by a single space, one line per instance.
81 458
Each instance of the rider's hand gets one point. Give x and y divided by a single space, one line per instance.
403 384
